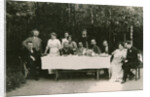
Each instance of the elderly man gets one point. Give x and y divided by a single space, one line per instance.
37 42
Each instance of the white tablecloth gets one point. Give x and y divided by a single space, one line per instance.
75 62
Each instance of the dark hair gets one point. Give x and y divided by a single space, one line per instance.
33 30
69 37
105 40
66 32
93 39
53 33
121 43
84 30
128 42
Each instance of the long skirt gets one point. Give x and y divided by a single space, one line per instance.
116 71
51 71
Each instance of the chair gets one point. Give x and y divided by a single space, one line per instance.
24 69
137 71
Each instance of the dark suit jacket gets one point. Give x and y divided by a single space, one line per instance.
67 51
85 41
104 51
132 54
96 49
26 58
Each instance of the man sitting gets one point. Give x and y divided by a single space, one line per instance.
81 49
95 48
67 50
130 62
32 59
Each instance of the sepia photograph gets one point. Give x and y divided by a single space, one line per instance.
62 48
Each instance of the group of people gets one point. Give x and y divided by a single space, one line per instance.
67 46
124 58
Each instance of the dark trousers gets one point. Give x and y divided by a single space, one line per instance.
33 68
127 68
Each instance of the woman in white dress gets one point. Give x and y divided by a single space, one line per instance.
116 65
53 45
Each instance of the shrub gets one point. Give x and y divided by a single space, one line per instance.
14 74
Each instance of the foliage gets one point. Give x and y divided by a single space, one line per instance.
47 17
104 22
14 73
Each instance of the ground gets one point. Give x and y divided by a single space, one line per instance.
45 86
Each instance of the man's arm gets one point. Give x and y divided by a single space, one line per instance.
24 43
41 47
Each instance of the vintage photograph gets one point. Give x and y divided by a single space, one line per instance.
59 48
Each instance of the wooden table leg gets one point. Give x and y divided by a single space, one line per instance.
139 73
109 73
97 74
57 75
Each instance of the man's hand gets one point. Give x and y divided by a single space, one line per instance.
125 61
32 58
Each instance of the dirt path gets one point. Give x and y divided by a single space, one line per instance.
50 86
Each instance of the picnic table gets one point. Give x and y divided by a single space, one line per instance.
72 63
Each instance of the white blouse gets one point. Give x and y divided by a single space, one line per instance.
54 45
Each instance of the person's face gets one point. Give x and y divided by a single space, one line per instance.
66 35
105 43
120 47
80 44
84 34
30 45
125 45
36 33
53 36
93 42
69 39
129 46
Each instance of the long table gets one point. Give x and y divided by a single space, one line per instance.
76 63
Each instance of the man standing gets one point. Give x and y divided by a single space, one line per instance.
84 39
37 42
130 62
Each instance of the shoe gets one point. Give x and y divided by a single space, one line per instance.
131 77
36 78
122 82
